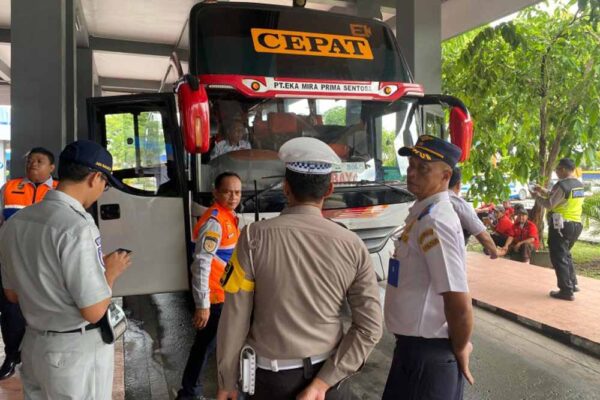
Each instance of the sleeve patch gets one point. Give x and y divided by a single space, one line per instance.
98 242
209 244
425 234
234 277
427 246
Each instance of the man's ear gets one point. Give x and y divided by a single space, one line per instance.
329 190
286 188
52 168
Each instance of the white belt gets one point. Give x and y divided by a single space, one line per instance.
294 363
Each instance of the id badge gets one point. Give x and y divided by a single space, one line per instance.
394 272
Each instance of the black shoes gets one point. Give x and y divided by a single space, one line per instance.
557 294
8 368
575 288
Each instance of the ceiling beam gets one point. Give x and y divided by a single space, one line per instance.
133 47
129 85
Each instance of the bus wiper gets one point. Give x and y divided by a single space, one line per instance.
258 193
373 183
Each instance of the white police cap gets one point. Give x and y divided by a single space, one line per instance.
309 156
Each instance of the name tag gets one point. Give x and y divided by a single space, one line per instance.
394 272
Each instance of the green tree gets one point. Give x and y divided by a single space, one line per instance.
388 150
532 86
335 116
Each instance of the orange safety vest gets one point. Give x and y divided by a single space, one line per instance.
229 238
20 193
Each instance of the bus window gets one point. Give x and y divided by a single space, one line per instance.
137 144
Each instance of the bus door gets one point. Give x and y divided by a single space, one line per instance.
149 215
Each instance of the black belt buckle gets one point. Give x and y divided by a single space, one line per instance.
308 368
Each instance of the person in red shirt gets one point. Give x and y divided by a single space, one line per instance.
523 239
502 227
509 209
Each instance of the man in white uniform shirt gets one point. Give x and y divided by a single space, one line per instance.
427 303
234 132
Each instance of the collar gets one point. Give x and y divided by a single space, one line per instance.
225 210
419 206
57 195
452 194
307 210
49 182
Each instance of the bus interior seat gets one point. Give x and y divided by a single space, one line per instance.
342 150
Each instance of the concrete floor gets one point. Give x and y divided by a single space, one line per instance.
509 362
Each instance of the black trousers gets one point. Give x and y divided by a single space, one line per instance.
12 324
423 369
499 240
286 385
204 345
560 245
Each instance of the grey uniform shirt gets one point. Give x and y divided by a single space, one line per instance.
553 199
201 265
51 257
469 220
305 266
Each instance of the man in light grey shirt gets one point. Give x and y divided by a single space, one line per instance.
469 221
54 267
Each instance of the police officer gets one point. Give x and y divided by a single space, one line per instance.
285 287
469 221
216 234
63 281
427 302
15 195
564 203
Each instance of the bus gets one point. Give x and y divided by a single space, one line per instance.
277 73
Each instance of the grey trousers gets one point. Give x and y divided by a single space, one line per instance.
66 366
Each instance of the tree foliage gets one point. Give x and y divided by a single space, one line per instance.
532 86
335 116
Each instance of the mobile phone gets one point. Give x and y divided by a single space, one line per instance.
120 249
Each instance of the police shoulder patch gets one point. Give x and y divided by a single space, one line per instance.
209 244
429 245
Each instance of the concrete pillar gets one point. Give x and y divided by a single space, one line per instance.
419 34
39 67
85 88
71 72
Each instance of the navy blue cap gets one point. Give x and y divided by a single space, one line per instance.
431 148
91 155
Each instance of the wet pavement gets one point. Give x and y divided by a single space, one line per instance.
509 362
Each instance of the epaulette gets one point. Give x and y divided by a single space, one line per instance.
214 212
426 211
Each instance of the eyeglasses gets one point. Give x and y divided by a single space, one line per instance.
104 178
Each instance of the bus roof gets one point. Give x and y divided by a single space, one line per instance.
306 49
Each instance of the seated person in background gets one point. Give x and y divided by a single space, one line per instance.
502 228
516 208
232 141
485 210
523 239
508 209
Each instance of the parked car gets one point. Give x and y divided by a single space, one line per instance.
518 191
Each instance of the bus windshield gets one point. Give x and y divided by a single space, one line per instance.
276 41
247 134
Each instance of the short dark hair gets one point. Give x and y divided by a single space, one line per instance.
455 178
43 151
567 164
307 187
219 179
70 171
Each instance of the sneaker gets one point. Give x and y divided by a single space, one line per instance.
557 294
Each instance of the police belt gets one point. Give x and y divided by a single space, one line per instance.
295 363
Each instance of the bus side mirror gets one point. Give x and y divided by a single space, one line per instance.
194 114
461 131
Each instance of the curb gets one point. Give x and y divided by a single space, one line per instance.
566 337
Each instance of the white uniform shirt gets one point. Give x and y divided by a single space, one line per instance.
51 257
223 147
431 256
469 220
